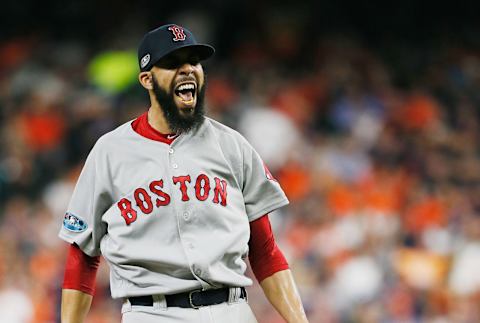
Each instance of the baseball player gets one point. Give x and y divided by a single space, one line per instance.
175 202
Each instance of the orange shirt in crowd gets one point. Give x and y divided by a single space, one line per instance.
427 213
419 112
42 131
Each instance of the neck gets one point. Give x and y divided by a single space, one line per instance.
157 120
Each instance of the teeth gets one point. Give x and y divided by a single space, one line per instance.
188 86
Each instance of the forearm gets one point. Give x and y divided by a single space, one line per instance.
78 285
282 293
75 305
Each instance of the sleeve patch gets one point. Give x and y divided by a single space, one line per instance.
74 223
268 175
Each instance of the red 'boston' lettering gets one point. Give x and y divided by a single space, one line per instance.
143 197
202 183
183 186
129 214
155 187
144 201
220 191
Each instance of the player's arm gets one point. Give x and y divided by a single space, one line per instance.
75 305
271 270
78 285
281 291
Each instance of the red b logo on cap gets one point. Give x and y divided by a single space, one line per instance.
178 33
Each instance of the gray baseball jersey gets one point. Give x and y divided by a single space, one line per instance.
170 218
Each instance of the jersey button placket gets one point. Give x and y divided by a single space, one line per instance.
173 163
185 215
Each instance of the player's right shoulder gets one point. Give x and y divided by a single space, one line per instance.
114 138
117 135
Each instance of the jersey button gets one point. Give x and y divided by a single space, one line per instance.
175 166
170 151
186 216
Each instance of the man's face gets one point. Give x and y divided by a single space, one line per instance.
179 87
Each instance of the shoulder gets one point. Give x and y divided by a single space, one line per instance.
115 138
225 133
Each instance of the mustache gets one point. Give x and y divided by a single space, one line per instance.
186 78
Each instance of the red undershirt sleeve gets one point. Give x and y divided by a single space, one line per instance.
265 257
80 270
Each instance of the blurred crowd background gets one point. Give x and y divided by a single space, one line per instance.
368 115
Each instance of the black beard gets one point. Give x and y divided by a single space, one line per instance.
177 122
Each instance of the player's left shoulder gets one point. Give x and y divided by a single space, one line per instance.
223 131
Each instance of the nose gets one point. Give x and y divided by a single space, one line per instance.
186 69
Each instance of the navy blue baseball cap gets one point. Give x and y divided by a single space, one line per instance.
166 39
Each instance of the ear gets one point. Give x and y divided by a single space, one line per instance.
146 80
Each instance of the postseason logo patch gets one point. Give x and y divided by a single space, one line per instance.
145 60
73 223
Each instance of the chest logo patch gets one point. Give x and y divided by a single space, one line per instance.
73 223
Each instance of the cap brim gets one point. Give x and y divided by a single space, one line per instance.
203 51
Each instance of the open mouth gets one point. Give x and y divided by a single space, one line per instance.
186 92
